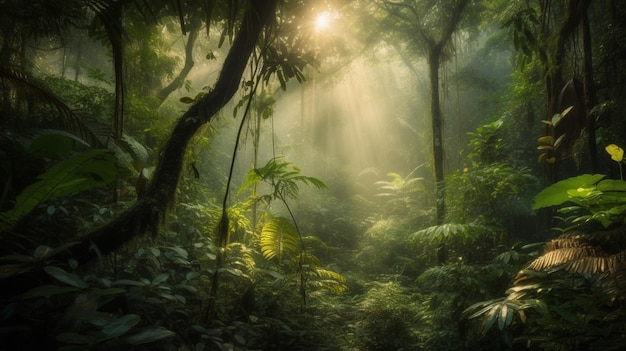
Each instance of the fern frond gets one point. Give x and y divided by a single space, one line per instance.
449 231
330 281
279 238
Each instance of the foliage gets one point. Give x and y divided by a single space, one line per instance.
567 298
278 239
595 199
89 100
550 143
401 194
452 231
87 170
284 177
448 290
492 189
487 144
389 318
383 250
488 191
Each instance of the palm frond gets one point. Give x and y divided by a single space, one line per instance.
67 119
568 257
575 253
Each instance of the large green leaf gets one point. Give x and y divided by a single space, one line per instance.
557 193
66 277
121 325
148 335
87 170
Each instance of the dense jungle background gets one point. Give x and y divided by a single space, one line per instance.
312 175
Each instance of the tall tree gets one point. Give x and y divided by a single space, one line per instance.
427 27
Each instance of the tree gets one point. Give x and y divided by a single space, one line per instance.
428 28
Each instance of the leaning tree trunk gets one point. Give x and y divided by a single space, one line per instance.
148 212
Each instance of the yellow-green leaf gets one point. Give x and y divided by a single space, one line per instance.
616 152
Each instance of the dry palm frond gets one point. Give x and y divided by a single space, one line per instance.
576 254
566 240
564 256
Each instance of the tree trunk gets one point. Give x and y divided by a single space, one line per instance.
591 98
189 63
437 129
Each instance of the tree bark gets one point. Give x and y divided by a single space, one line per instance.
437 130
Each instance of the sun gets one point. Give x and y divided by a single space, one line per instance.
322 21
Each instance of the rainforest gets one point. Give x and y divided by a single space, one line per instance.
340 175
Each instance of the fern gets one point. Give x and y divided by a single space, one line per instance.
285 178
279 239
449 231
90 169
327 280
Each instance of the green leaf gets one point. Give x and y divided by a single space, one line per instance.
612 185
121 325
149 335
51 145
65 277
160 279
557 193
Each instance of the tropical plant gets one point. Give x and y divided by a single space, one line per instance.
491 189
566 296
280 238
594 199
487 144
388 318
617 155
87 170
284 178
401 194
550 143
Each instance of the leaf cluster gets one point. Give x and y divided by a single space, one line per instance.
594 199
284 177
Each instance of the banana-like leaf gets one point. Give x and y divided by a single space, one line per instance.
556 194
